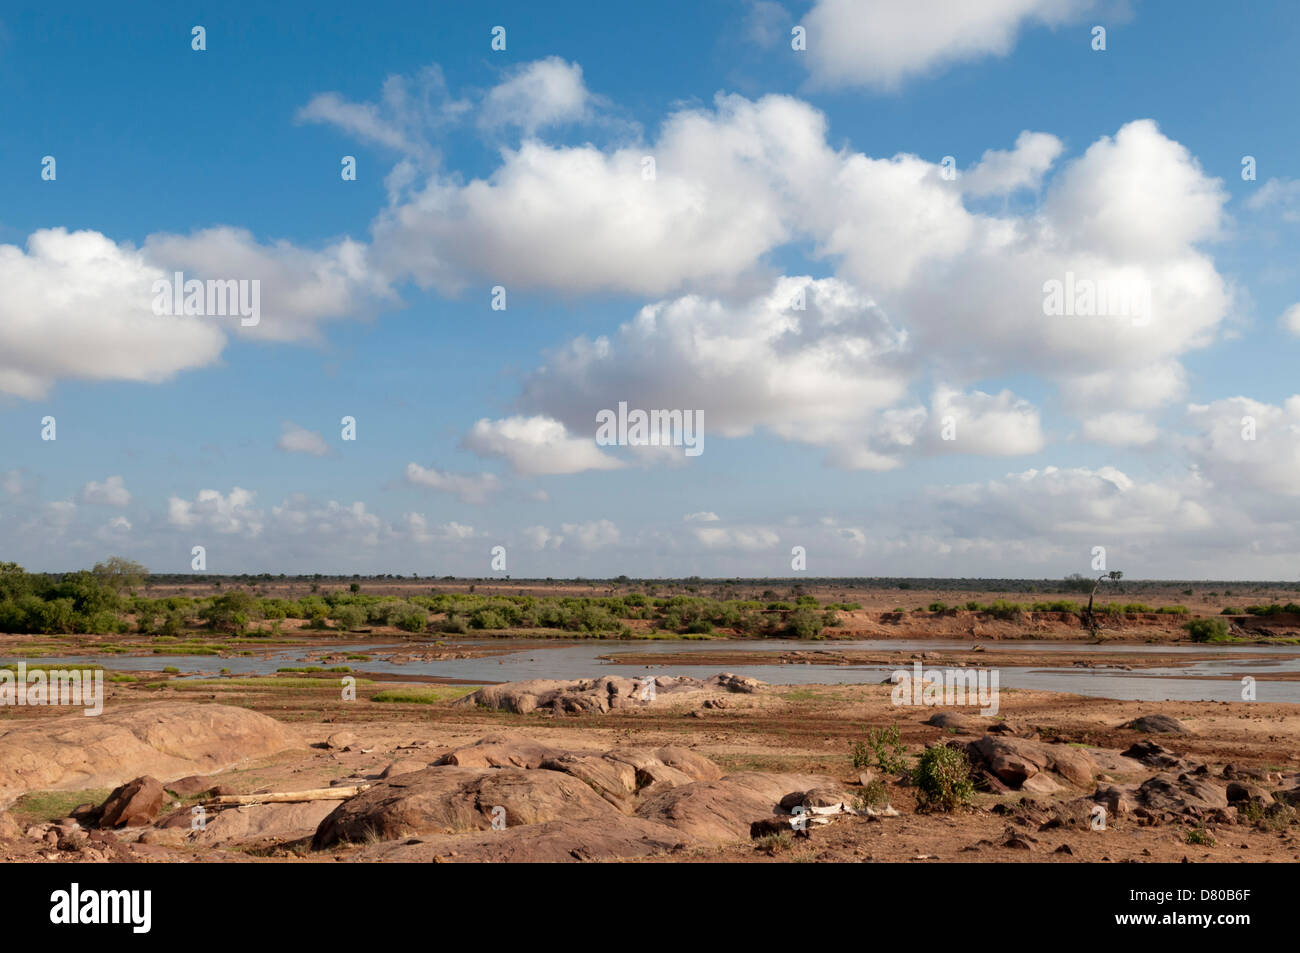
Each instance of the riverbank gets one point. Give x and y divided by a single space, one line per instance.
796 732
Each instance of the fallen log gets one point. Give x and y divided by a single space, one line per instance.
341 793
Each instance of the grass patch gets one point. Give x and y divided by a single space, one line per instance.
774 843
424 694
33 651
269 684
40 806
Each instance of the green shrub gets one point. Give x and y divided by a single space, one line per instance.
804 624
349 617
1207 630
1004 610
942 779
883 749
174 622
486 617
413 620
231 612
874 795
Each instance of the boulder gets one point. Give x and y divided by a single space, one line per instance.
819 801
578 696
1015 761
1291 797
735 683
519 697
615 781
1180 794
1157 724
956 721
191 786
668 767
1116 800
499 752
1154 756
402 766
9 829
340 740
447 799
717 812
134 804
1073 764
1246 791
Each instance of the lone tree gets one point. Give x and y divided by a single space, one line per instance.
120 574
1089 619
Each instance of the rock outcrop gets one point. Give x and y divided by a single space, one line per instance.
504 799
602 694
166 740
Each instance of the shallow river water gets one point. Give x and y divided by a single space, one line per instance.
1216 679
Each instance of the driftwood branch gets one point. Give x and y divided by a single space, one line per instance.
340 793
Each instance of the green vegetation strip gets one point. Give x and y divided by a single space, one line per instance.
424 694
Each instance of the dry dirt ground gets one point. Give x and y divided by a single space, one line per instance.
805 730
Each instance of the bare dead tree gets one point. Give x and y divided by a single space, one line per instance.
1090 620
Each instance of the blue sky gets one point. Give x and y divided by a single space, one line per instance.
776 169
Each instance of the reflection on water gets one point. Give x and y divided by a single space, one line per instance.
1207 680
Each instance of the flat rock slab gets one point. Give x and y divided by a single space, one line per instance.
499 752
717 812
165 740
260 822
448 799
612 837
